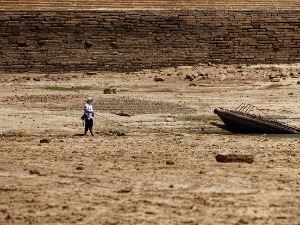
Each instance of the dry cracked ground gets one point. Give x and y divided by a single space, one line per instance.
152 160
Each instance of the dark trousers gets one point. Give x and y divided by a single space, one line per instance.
89 124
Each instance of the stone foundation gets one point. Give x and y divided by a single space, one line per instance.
63 41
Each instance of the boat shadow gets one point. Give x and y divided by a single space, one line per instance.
225 128
236 130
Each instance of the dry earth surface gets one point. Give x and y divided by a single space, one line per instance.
163 169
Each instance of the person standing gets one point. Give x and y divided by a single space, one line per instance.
89 116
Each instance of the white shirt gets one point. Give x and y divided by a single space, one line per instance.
88 111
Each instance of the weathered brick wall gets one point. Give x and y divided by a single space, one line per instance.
45 41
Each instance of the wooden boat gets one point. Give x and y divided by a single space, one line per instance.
244 122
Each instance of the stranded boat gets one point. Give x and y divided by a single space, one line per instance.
244 122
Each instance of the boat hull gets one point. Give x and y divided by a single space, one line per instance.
246 123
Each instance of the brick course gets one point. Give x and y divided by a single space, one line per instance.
56 41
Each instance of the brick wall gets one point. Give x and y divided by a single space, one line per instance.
45 41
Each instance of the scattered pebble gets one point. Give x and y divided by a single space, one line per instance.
80 167
35 172
88 44
44 141
158 79
170 162
110 91
8 217
190 77
124 190
276 79
293 75
91 73
170 119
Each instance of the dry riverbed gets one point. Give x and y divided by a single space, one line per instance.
152 160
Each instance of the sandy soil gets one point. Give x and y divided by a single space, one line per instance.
163 170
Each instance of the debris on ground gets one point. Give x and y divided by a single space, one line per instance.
110 91
124 190
44 141
116 133
234 158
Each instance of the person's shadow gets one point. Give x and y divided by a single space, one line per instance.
79 135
